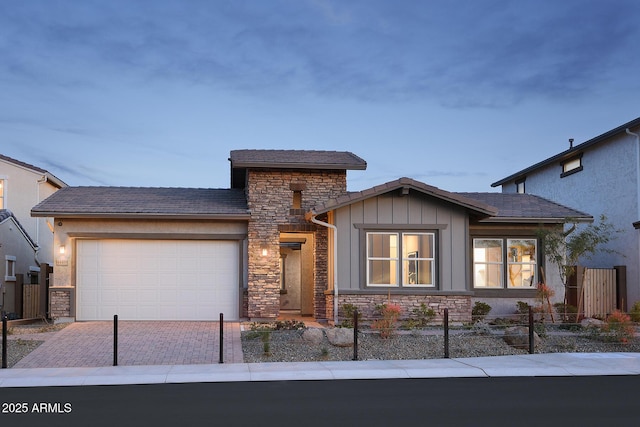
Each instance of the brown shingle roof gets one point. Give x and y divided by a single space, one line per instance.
140 202
526 208
296 159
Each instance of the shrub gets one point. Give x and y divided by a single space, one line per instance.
618 327
568 312
388 324
420 317
635 312
349 310
480 310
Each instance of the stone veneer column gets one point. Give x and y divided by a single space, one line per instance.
270 198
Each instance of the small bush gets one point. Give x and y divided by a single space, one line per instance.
480 310
618 327
635 312
388 324
420 317
568 313
349 310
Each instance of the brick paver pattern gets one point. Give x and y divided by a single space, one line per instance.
90 344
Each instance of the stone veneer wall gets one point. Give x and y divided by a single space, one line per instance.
459 305
60 302
270 198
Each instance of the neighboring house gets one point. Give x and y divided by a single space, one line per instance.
288 235
599 176
25 242
22 186
17 256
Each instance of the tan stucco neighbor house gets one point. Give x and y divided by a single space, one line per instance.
289 236
26 243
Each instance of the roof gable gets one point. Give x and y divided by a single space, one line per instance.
570 152
52 178
406 184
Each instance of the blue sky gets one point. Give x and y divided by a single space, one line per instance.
457 94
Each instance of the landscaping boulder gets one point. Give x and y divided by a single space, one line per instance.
518 337
590 322
340 337
313 335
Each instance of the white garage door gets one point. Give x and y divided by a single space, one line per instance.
157 279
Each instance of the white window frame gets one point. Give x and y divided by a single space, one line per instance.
509 261
488 263
399 263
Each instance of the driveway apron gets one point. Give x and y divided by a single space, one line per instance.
90 344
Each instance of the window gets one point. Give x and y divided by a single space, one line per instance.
401 259
492 264
520 187
10 268
571 166
1 193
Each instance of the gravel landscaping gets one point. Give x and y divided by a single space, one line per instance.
23 339
290 346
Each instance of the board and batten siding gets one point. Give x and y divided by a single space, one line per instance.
398 211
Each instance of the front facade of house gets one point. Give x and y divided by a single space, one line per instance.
288 236
599 176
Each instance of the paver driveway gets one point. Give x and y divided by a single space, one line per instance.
90 344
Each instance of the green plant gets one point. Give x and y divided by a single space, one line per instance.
388 324
635 312
618 327
568 312
266 342
420 317
349 311
480 310
324 353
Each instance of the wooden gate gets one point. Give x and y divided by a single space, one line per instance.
599 292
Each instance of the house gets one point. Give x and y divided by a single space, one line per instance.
288 235
17 258
22 186
26 243
598 176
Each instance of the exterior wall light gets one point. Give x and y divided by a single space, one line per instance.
264 251
62 249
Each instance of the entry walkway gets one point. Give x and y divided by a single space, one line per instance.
90 344
556 364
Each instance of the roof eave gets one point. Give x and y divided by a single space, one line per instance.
532 220
145 215
569 153
324 166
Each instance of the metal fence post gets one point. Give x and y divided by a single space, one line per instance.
221 338
532 347
115 340
4 342
355 334
446 333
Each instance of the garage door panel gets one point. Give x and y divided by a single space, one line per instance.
157 280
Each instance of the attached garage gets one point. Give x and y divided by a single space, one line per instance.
140 279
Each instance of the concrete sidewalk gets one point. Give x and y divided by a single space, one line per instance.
555 364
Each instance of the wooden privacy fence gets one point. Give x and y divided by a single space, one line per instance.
598 293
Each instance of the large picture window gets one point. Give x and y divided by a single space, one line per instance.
401 259
497 262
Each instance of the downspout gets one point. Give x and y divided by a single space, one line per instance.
637 183
313 218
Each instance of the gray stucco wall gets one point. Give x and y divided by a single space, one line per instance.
606 185
395 210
